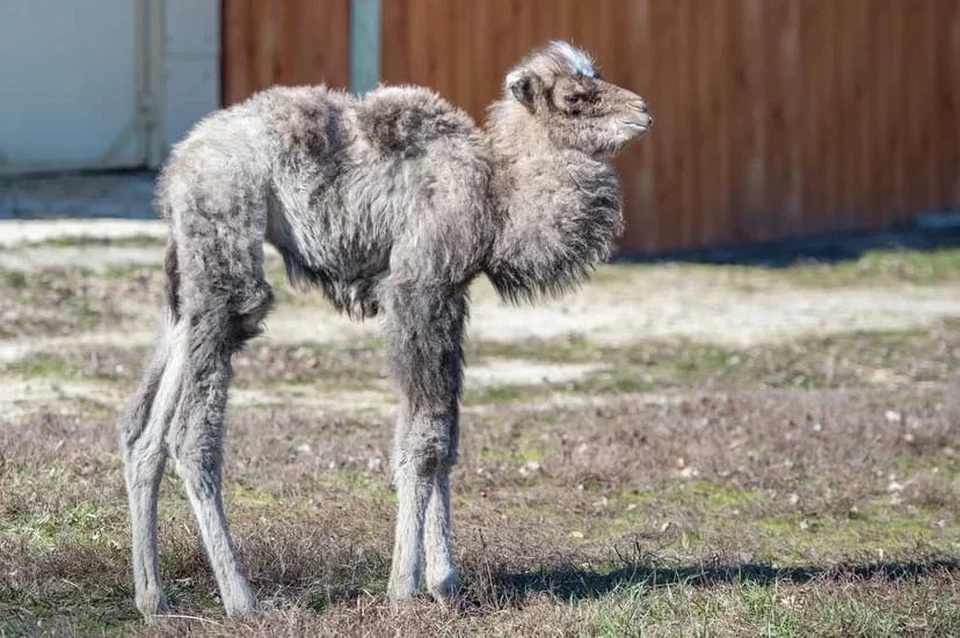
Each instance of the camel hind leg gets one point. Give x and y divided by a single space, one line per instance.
143 426
216 329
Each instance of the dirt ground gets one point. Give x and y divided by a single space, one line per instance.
676 450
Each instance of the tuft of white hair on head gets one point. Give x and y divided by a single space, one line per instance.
512 78
576 59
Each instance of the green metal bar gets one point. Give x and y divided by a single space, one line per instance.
364 45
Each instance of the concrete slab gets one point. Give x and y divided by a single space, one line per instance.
116 194
14 233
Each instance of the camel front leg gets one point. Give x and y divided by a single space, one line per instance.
442 579
424 330
420 448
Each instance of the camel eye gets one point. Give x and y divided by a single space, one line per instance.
572 98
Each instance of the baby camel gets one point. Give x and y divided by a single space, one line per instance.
391 204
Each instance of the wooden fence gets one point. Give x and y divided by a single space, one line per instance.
775 118
283 42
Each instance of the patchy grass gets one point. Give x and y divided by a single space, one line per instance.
865 359
806 488
138 240
742 510
879 267
64 301
856 360
916 267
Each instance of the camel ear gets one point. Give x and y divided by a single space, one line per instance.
524 87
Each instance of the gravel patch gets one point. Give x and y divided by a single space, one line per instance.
653 302
704 311
516 372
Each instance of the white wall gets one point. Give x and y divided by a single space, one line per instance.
103 83
191 65
68 73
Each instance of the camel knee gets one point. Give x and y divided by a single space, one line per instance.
427 446
429 454
197 462
195 446
142 445
249 313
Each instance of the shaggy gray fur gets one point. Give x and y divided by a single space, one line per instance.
392 204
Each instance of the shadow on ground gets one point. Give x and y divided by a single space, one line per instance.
570 584
925 234
494 588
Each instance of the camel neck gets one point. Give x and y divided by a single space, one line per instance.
558 211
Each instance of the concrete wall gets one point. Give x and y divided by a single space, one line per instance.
103 83
191 65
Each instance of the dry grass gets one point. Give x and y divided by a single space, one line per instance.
806 488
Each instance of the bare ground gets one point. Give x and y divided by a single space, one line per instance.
678 450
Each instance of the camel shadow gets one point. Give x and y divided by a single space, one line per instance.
493 585
572 584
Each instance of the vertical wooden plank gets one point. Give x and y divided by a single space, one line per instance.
791 72
904 120
845 129
285 64
740 23
951 112
236 70
936 12
828 113
872 144
602 32
869 144
527 19
707 201
689 126
637 167
855 115
464 91
783 151
395 64
646 79
293 42
308 64
946 156
422 54
915 81
488 30
332 59
936 153
265 36
888 165
881 96
812 29
448 53
668 164
811 26
727 44
754 199
562 12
